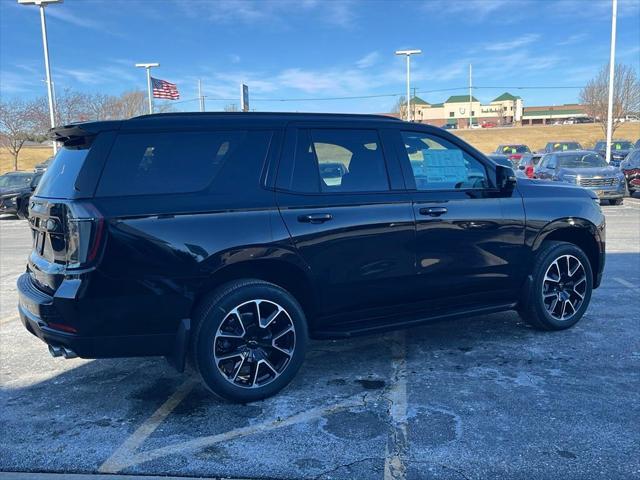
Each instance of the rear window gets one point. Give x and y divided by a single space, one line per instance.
184 162
59 179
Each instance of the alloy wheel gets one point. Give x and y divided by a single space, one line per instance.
254 343
564 287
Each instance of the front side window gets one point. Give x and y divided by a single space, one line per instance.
339 161
440 165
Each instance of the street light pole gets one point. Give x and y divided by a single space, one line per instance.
148 67
45 45
612 70
408 54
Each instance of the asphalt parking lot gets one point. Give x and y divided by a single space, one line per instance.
483 397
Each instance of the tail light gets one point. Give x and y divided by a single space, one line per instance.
529 171
515 156
85 232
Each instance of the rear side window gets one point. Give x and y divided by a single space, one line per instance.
184 162
59 179
338 160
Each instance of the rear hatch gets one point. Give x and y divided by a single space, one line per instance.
66 227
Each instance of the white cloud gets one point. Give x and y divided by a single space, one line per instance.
573 39
518 42
368 60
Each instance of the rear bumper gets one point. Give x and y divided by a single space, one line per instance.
38 312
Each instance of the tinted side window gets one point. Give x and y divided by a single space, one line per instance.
340 161
439 165
183 162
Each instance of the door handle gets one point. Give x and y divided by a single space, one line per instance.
433 211
315 218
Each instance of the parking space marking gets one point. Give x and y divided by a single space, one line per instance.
396 449
624 282
129 458
8 319
122 455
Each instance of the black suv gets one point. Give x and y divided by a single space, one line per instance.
232 238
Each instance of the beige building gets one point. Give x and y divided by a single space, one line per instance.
506 109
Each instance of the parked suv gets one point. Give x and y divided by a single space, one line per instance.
232 238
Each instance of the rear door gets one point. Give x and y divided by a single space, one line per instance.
469 238
342 199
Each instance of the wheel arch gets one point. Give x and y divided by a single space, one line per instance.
294 278
580 232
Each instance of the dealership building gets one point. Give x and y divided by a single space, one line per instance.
507 109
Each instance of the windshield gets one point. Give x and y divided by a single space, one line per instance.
15 181
581 161
508 149
563 146
614 146
632 161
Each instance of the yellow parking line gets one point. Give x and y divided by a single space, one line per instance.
128 458
8 319
121 457
396 449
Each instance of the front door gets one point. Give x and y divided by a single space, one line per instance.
469 237
342 199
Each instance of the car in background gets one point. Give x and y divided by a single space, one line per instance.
450 126
515 152
555 146
489 125
505 161
637 144
42 167
586 169
16 189
630 168
619 150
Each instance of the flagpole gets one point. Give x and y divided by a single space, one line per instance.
148 67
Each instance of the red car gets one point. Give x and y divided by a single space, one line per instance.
630 167
489 125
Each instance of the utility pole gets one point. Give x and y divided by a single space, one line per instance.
45 44
470 95
408 54
200 97
148 67
413 112
612 70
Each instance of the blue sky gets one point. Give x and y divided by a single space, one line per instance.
311 49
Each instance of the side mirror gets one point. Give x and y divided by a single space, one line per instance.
505 178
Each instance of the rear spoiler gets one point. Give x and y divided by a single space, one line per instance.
81 134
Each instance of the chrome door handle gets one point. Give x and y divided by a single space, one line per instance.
315 218
433 211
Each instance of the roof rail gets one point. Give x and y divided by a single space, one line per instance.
266 114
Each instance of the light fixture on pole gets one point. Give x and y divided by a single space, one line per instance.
408 54
45 44
148 67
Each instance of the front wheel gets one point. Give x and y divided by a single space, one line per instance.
250 340
560 290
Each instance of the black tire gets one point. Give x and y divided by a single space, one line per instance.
617 201
210 336
535 307
22 210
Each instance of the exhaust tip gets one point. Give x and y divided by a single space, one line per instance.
57 351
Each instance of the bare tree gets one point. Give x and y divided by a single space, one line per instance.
626 95
232 107
17 126
400 106
131 104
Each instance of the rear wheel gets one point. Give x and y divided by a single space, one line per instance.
250 340
561 288
617 201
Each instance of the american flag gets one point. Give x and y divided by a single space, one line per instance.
164 89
